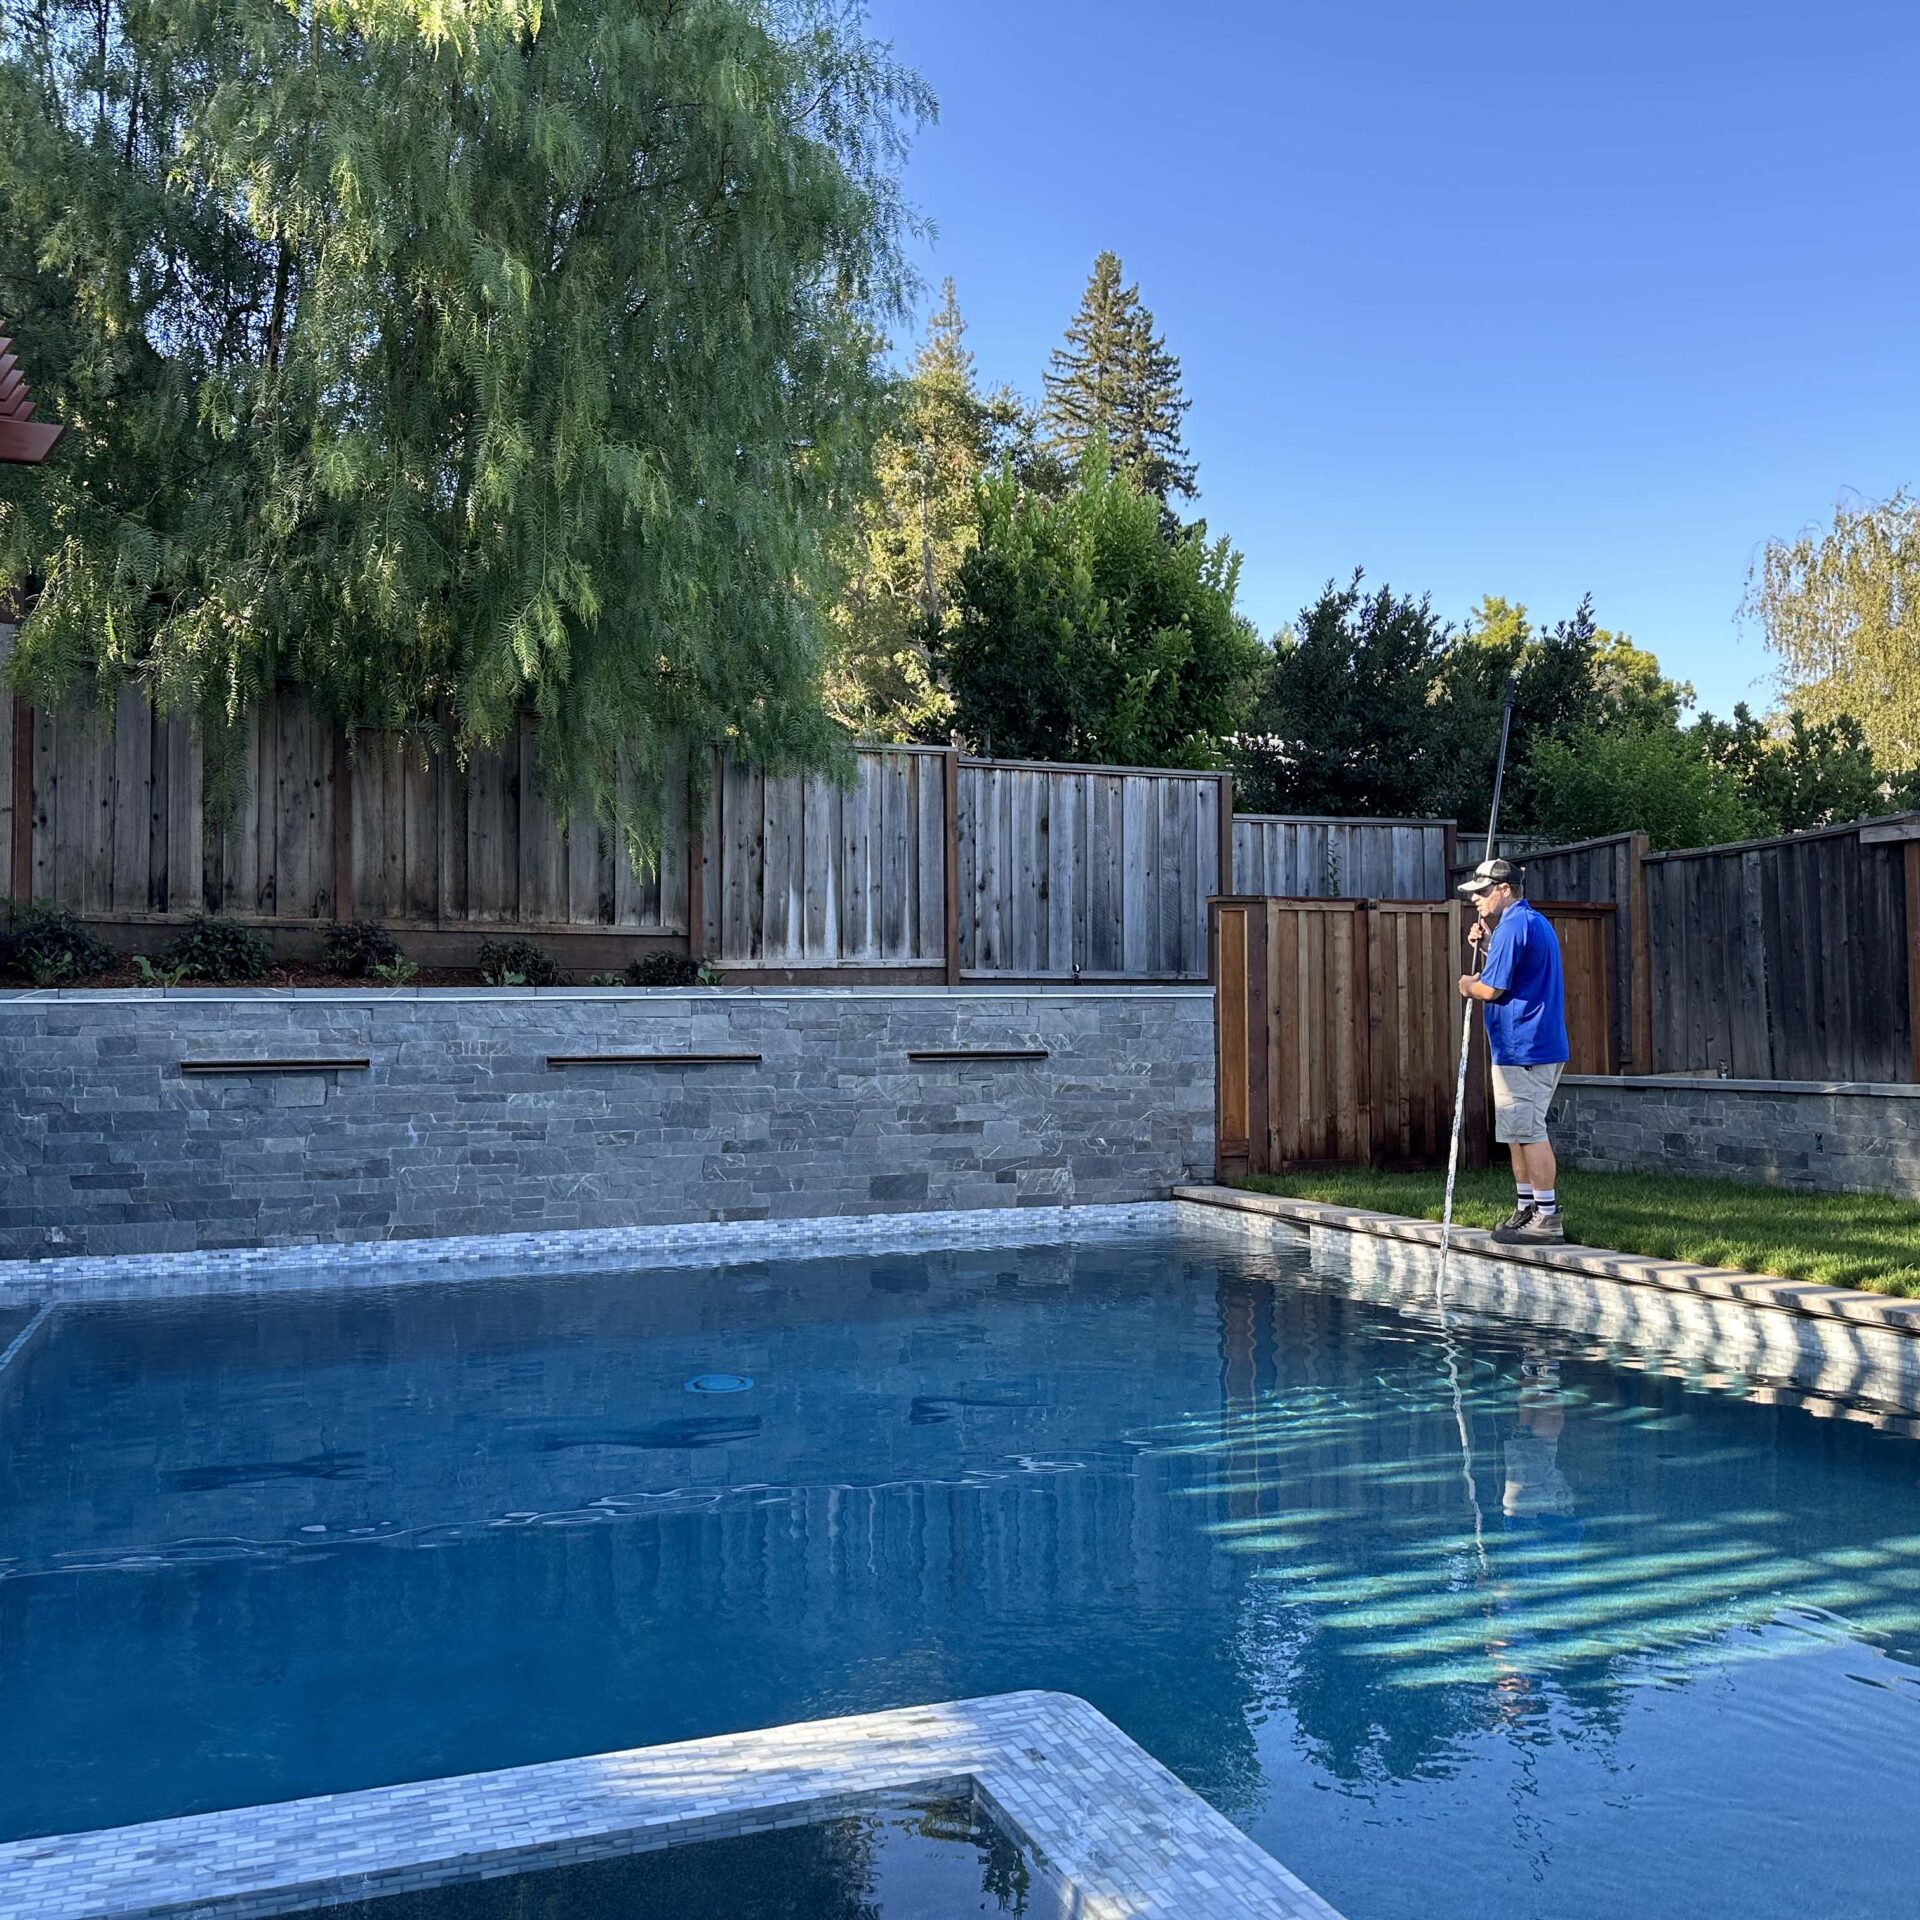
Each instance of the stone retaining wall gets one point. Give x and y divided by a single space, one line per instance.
1841 1137
458 1124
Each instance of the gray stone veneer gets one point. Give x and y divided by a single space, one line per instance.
1841 1137
458 1124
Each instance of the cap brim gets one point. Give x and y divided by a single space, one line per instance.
1470 887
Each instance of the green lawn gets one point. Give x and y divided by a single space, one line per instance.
1846 1239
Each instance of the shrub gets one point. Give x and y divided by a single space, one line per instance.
517 963
49 945
357 948
219 951
663 970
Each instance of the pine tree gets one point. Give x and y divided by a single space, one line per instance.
451 359
1114 378
910 536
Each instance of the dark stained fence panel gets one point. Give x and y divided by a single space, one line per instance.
1785 959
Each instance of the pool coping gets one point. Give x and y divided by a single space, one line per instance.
1811 1298
1099 1819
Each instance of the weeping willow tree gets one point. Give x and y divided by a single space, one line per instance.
1840 606
452 358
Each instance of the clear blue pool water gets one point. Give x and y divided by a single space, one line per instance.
902 1859
252 1550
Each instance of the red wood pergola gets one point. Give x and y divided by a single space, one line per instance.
24 441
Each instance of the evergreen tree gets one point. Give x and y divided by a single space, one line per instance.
1115 380
451 359
910 535
1085 634
1345 721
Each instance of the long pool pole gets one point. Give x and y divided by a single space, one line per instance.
1466 1021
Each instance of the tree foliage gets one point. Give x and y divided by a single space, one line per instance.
1841 609
911 533
1655 779
1084 634
1345 721
1797 773
1114 381
450 359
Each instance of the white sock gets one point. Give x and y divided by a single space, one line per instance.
1525 1194
1544 1200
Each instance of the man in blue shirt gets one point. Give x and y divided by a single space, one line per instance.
1520 985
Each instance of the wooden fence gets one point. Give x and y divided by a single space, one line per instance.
1337 1028
1338 1033
1790 959
1301 856
1796 958
930 866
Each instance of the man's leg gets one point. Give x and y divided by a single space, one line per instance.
1543 1171
1536 1165
1522 1178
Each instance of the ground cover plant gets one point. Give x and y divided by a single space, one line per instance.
1865 1240
49 946
217 951
517 963
360 948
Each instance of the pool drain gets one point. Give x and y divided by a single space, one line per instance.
719 1383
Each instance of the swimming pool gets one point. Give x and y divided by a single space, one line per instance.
1640 1648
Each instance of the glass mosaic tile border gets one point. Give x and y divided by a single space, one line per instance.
1105 1827
696 1243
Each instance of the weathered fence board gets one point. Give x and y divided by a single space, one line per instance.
1089 872
1338 1034
803 873
1302 856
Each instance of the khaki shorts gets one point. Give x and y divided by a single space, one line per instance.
1521 1096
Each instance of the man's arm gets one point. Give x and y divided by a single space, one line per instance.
1495 978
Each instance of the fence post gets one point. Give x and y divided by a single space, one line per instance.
1234 1115
1226 836
1364 1132
1912 853
342 823
950 779
21 887
1640 947
696 867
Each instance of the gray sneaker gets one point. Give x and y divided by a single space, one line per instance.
1514 1221
1536 1230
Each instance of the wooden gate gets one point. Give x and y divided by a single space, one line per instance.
1337 1028
1338 1034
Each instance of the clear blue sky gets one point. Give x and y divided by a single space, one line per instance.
1482 295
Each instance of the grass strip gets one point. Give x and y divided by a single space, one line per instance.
1864 1240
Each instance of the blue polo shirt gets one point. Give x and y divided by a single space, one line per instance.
1527 1025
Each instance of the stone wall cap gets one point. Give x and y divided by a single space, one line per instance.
1685 1082
16 999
